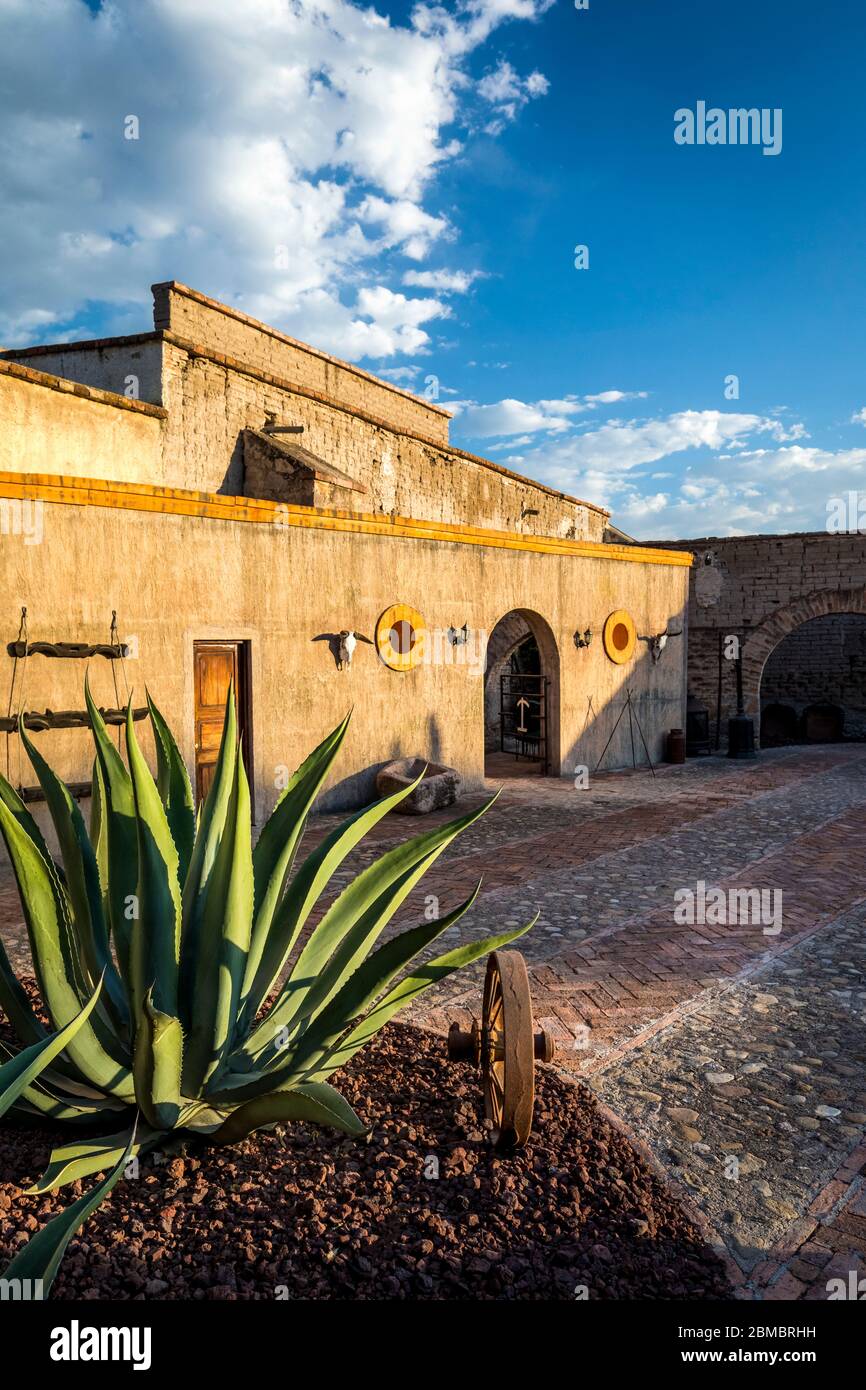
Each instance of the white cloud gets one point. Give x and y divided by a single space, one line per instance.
729 474
286 158
511 417
404 224
614 397
859 417
508 92
443 281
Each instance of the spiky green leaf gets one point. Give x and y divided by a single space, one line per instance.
41 1256
317 1104
173 782
16 1075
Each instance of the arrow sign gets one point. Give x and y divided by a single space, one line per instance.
523 706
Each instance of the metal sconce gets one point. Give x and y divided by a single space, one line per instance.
583 639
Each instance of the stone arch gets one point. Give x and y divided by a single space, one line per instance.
508 633
768 634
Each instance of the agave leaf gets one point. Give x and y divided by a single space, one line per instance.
173 782
98 832
301 897
16 1075
11 799
157 1066
349 1003
209 834
117 809
406 990
317 1104
41 1256
223 943
46 1098
82 884
350 927
155 940
277 845
95 1154
53 950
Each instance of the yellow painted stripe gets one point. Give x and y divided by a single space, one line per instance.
144 497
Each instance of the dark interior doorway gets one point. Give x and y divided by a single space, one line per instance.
813 687
516 702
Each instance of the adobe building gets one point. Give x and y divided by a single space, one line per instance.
239 500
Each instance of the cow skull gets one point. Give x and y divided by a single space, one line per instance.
348 643
658 641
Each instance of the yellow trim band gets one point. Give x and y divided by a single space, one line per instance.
145 497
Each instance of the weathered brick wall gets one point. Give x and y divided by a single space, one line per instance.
209 405
218 373
223 330
761 588
824 661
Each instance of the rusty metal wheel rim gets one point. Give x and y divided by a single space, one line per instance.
507 1050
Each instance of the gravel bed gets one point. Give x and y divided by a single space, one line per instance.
302 1213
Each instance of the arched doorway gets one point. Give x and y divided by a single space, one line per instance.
766 637
813 685
521 697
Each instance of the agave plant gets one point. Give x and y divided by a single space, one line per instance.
159 939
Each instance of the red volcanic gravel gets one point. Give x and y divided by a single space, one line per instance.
305 1213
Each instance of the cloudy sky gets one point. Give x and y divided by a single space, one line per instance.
405 186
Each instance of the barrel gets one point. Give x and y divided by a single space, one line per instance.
676 746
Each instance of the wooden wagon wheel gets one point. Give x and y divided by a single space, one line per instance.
505 1046
507 1049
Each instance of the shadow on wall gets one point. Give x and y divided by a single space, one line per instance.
359 788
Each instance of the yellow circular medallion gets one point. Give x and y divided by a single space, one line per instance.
400 636
619 636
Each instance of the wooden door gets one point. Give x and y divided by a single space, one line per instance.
216 664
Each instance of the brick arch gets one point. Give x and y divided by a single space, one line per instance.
767 635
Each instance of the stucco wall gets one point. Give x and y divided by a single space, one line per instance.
46 427
131 367
175 579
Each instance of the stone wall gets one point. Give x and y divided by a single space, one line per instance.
761 589
218 373
221 330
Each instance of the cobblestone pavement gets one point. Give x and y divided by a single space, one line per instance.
734 1053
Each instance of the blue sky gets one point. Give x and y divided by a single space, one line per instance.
405 186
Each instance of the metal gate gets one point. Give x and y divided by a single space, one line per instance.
523 716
